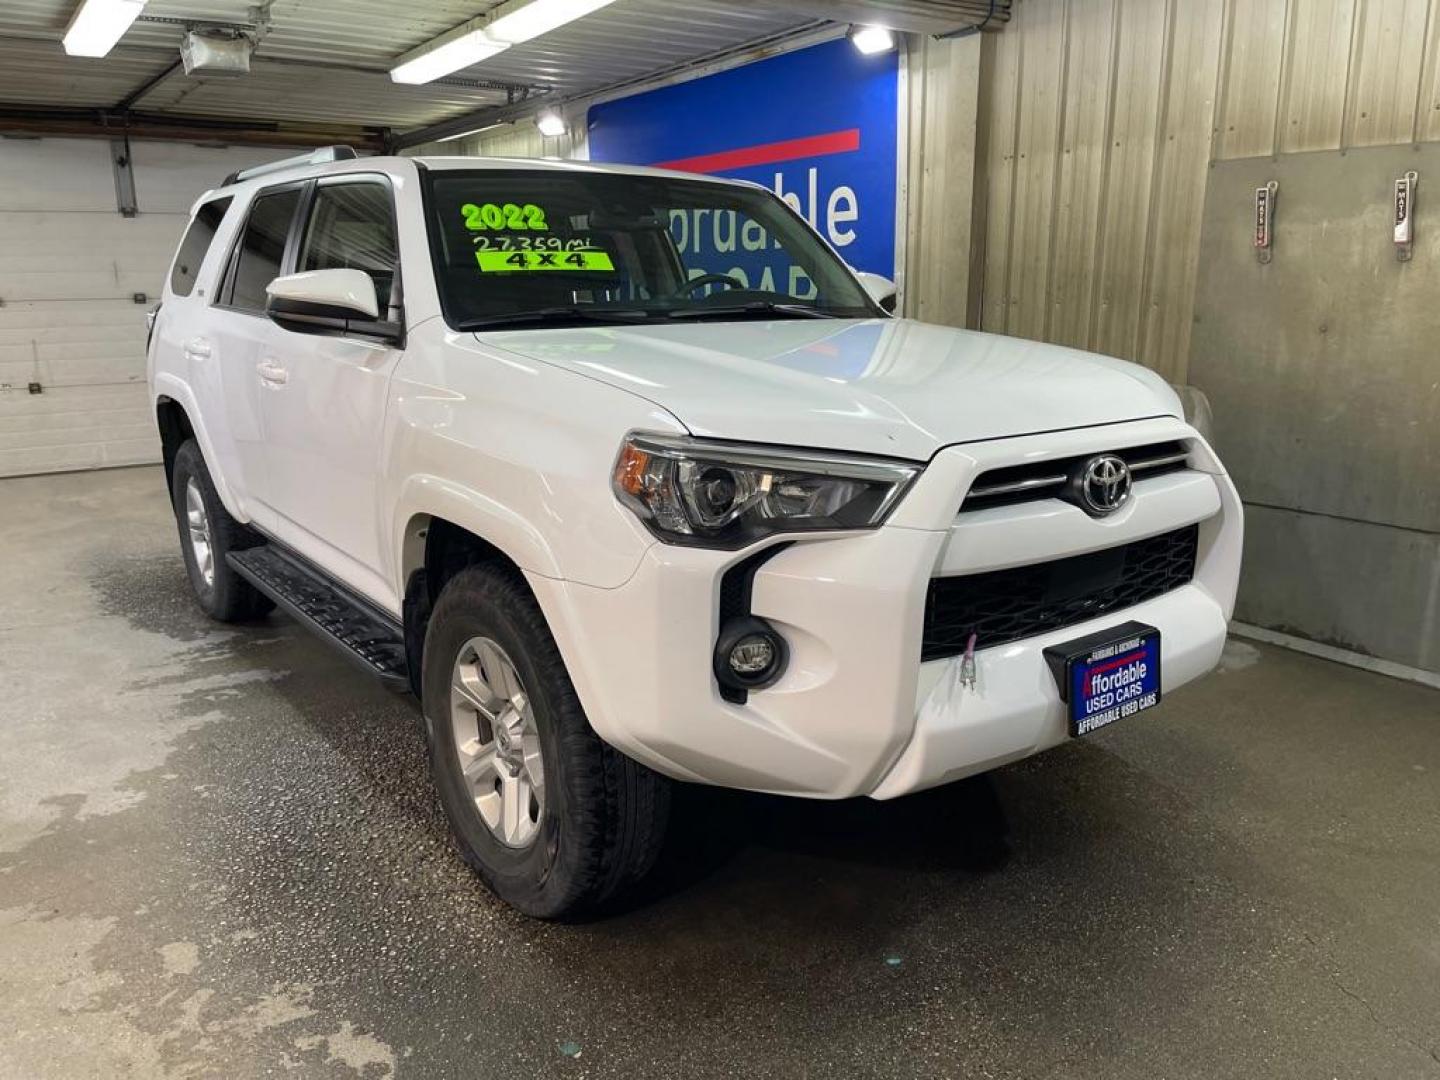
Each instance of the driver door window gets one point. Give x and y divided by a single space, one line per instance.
352 227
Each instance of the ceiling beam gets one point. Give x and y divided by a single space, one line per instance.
469 121
145 87
912 16
105 124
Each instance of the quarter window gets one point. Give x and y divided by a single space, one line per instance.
261 250
197 240
352 227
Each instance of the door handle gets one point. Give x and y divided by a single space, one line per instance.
272 373
197 349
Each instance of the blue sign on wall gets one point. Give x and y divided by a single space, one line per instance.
816 126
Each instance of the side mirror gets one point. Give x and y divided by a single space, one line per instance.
880 288
336 294
328 302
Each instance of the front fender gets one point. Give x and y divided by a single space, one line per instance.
429 496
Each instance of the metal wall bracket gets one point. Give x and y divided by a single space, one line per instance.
124 177
1265 220
1405 216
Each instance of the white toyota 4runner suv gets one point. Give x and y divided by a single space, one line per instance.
629 478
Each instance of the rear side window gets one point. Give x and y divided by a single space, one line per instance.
196 242
261 250
352 227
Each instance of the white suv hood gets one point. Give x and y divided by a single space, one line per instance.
880 386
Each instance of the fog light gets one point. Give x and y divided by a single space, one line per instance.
749 655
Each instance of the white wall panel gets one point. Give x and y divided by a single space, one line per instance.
169 176
56 174
70 265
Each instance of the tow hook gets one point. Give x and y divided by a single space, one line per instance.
967 665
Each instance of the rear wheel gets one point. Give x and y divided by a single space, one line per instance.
207 534
555 821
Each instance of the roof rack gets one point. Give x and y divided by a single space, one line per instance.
322 156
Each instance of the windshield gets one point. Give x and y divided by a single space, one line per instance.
551 247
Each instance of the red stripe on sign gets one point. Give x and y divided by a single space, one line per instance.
836 142
1119 661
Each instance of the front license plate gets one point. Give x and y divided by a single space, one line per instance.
1108 676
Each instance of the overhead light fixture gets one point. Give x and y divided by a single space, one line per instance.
481 38
872 39
521 20
98 24
461 47
550 123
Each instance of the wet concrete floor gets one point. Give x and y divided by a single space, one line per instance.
220 856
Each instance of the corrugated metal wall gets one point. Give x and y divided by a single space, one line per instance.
1102 117
942 94
512 140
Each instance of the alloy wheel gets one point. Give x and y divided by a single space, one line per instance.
198 524
497 741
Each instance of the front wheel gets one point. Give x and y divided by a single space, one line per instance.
552 819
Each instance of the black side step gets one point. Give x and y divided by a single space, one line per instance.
368 636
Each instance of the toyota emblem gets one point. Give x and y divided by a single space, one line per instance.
1104 485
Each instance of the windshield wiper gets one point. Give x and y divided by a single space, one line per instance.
753 307
567 314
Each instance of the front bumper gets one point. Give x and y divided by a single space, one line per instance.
856 712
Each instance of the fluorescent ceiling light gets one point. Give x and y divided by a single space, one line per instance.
521 20
99 24
469 45
551 123
872 39
509 24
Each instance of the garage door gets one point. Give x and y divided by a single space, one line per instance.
76 278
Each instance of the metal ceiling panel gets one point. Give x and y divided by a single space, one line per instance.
36 72
363 32
327 61
300 92
634 38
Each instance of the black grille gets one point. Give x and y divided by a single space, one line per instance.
1006 605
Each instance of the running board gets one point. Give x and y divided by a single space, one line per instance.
366 635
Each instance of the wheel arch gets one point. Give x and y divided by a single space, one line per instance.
175 431
178 418
433 548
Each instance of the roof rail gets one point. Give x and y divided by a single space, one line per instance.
322 156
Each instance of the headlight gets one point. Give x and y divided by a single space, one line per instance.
727 495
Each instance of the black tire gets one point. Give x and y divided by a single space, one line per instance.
604 816
227 597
